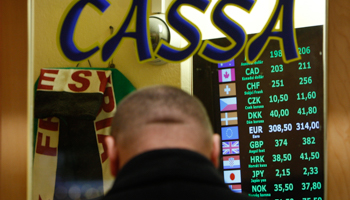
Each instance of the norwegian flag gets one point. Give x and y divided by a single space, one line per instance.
236 188
231 147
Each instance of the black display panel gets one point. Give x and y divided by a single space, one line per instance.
270 116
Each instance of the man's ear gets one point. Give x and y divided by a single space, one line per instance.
214 157
113 155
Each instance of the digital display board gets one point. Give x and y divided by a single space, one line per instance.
270 116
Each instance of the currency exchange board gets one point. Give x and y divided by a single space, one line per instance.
270 116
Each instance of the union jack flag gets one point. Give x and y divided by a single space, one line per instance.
230 147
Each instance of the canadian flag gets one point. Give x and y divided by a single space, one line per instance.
227 75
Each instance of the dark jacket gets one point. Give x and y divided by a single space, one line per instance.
170 174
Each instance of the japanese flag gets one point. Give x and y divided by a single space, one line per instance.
232 176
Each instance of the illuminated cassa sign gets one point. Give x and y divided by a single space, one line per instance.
234 32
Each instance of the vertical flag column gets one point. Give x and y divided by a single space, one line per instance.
229 128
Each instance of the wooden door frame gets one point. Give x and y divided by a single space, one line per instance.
13 99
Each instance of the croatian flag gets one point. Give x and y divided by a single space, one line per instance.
230 147
227 75
231 162
232 176
228 104
236 188
229 133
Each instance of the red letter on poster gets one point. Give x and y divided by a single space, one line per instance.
84 81
108 106
46 78
46 124
103 80
101 139
45 150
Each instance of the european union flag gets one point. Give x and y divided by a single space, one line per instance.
229 133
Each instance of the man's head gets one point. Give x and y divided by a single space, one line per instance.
160 117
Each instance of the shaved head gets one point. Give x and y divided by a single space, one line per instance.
161 117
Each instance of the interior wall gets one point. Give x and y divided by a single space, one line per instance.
13 99
339 100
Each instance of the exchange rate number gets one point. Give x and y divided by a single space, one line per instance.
308 140
281 142
281 157
306 96
304 65
305 80
307 125
276 54
307 111
278 98
277 83
312 198
310 186
286 187
282 172
279 113
279 128
310 156
309 171
276 68
304 50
